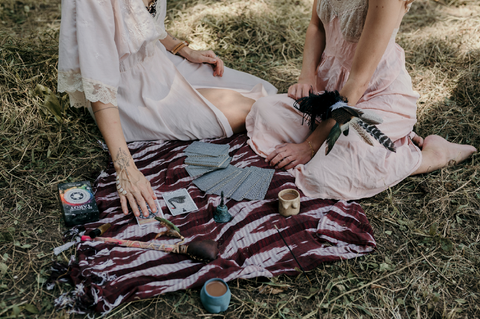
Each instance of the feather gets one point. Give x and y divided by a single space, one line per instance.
341 116
332 137
361 132
353 111
317 106
370 117
378 135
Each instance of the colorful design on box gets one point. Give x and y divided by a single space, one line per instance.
76 196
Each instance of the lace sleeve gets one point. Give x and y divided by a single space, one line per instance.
88 67
82 91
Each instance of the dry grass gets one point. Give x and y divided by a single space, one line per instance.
427 227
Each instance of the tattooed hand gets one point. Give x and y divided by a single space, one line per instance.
133 188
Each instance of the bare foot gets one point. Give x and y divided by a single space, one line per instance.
438 152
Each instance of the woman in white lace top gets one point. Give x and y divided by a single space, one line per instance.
350 47
115 58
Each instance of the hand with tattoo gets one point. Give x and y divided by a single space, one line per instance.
132 186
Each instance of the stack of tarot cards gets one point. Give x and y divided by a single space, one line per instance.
212 163
203 158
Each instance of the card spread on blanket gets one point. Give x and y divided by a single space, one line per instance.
210 165
248 183
179 202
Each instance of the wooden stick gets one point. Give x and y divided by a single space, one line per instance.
204 250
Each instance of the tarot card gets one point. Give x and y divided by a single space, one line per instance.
207 149
248 183
179 202
197 171
230 184
221 161
142 220
259 190
212 179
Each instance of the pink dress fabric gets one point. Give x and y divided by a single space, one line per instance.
353 169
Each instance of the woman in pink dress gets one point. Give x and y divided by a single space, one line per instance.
350 47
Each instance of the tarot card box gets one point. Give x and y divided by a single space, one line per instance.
78 203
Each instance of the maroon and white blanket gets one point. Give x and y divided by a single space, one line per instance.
106 275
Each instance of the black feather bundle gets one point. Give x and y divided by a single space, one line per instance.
317 106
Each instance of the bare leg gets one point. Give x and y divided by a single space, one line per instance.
232 104
438 152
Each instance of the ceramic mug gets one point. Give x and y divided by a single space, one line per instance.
215 295
289 202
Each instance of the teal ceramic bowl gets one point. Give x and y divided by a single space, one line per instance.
215 304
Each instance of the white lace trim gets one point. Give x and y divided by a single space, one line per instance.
69 81
351 13
82 90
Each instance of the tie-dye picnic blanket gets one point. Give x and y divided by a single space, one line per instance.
106 275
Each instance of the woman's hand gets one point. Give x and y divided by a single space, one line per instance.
134 189
204 56
299 90
289 155
132 186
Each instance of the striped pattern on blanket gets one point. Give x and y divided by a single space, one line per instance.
106 275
